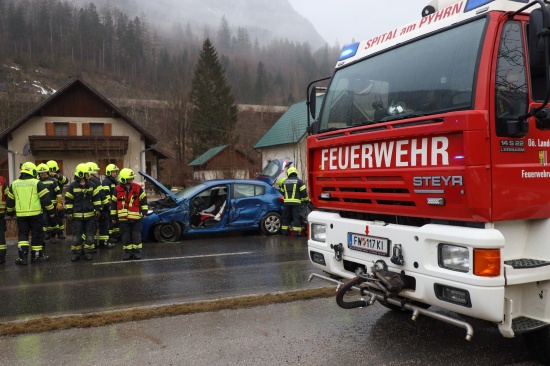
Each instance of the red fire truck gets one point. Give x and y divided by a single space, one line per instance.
428 163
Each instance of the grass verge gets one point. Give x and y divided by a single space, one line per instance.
46 324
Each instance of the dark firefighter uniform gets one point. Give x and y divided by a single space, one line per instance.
83 206
129 205
294 193
3 244
59 228
107 230
105 206
50 223
27 196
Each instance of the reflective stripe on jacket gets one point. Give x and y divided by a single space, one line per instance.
294 191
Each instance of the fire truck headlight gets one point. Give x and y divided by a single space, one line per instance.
454 257
318 232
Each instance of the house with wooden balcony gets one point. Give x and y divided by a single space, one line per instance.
77 124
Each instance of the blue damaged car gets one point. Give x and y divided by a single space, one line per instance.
212 206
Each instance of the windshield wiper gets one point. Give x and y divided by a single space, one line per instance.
399 117
362 123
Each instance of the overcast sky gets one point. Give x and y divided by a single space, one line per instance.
342 21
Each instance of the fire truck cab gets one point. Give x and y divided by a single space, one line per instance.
428 165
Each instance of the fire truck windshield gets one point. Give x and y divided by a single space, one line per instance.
432 75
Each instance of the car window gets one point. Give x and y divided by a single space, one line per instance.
247 190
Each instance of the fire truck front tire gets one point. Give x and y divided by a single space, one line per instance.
538 342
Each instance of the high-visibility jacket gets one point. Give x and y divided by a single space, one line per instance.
82 201
129 202
27 196
294 191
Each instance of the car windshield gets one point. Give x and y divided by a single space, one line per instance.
432 75
190 191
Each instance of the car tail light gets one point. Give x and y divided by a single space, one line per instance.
281 199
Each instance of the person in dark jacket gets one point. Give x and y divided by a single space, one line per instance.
50 223
27 197
105 204
107 231
59 210
294 193
83 206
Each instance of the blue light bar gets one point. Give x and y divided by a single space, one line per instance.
474 4
349 51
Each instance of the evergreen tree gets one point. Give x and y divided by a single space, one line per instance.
260 87
214 113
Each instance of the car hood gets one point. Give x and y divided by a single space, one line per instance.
158 185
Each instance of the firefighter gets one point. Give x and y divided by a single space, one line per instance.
105 205
83 206
129 205
59 229
3 244
294 192
27 197
50 223
107 231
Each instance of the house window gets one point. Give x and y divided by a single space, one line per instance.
96 129
61 129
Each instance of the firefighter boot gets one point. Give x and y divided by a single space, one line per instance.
60 235
38 256
88 254
127 254
47 235
136 253
22 260
76 255
3 255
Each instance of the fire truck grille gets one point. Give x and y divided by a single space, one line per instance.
380 191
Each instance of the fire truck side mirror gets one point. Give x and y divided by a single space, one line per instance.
313 102
537 36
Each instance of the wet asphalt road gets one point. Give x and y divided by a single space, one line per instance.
194 269
315 332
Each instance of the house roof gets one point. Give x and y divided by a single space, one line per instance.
74 83
291 127
205 158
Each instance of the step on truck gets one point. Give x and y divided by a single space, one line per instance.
428 162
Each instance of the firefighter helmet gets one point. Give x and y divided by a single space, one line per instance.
292 170
126 174
28 168
94 168
110 168
81 170
52 164
42 168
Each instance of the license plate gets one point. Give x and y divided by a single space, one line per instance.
369 244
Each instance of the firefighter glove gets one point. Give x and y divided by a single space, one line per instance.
70 217
97 214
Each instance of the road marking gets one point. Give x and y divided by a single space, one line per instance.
172 258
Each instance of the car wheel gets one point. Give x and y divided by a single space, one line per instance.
170 231
271 223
